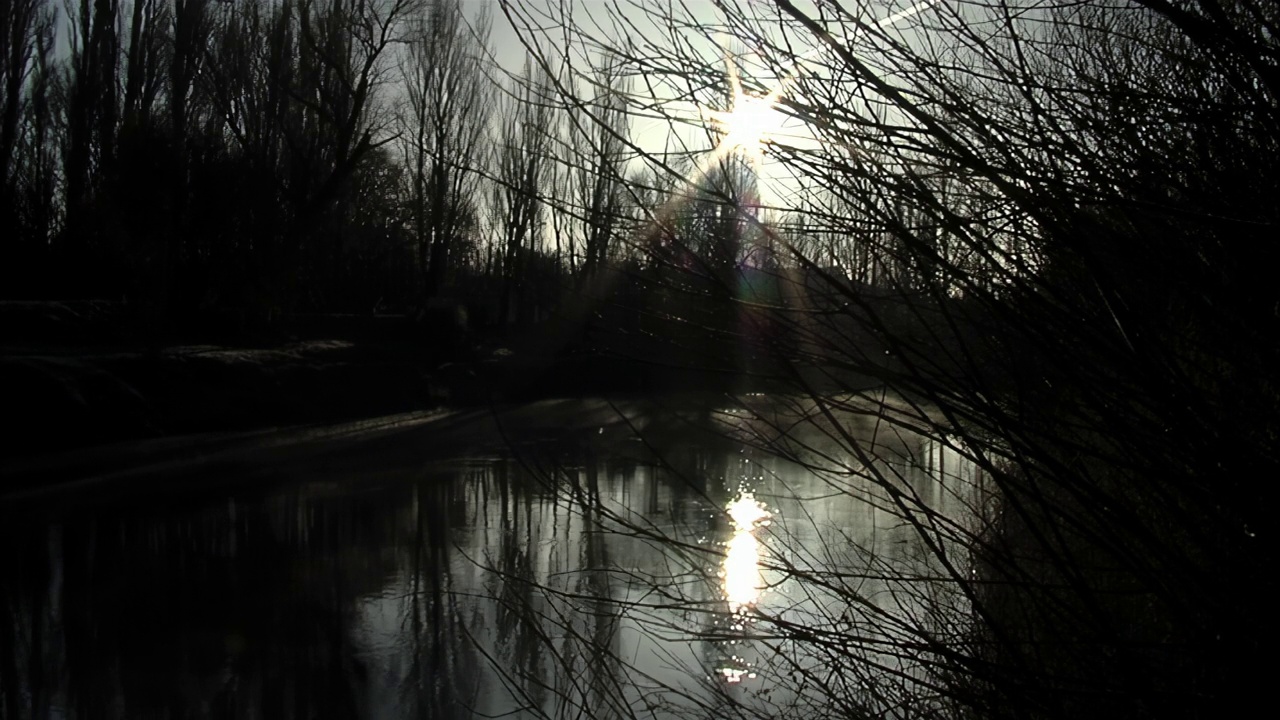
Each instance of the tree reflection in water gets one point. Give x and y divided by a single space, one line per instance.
549 581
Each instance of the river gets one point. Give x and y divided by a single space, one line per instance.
561 559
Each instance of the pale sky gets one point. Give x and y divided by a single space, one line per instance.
684 127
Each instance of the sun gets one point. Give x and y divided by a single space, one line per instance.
750 125
751 121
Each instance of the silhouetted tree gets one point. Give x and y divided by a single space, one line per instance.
444 119
521 165
598 140
89 114
1056 218
28 171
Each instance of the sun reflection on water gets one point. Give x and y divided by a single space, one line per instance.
741 574
742 577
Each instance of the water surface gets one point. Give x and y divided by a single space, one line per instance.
569 559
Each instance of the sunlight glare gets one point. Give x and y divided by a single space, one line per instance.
750 122
742 577
750 125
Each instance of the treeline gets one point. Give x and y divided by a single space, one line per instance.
274 156
319 155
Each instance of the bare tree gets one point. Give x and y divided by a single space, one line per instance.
89 111
522 166
443 123
19 23
143 67
1056 219
599 142
298 90
26 153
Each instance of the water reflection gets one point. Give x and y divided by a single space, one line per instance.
743 580
742 574
590 583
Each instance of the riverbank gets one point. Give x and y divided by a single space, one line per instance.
72 375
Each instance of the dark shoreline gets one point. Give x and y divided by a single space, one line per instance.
80 375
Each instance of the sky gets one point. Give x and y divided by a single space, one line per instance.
685 127
707 42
